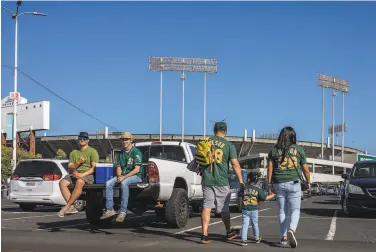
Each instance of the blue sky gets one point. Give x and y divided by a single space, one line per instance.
95 54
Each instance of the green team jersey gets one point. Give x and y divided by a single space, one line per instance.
128 161
287 169
90 155
224 152
252 196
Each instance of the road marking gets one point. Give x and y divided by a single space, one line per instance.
37 216
332 229
214 223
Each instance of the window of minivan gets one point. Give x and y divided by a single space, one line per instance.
365 170
36 168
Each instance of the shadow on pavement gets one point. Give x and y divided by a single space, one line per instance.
318 212
39 209
327 202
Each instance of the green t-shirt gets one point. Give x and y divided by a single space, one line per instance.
90 155
252 196
128 161
285 171
224 152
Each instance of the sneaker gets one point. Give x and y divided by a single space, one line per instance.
205 239
283 241
121 217
61 213
243 243
291 238
72 210
108 214
257 240
231 235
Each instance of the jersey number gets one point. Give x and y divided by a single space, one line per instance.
289 163
218 154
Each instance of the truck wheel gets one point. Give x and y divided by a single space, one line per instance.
160 213
94 212
28 207
79 205
177 208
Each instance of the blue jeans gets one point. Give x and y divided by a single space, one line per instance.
288 195
253 216
124 192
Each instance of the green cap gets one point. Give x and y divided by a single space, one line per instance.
220 126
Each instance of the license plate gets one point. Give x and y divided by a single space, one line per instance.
116 193
30 183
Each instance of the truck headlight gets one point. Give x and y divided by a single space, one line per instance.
353 189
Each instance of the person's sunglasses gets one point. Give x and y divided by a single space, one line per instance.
125 139
83 139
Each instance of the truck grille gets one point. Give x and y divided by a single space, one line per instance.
372 191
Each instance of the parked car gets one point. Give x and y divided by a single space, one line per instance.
316 189
235 201
168 187
36 182
360 191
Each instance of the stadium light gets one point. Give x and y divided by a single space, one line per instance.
15 16
202 65
341 85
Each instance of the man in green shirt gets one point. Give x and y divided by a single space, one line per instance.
129 170
81 164
215 184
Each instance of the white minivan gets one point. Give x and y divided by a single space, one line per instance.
36 182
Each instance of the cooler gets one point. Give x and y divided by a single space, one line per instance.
104 172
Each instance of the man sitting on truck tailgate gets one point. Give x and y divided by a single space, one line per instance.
215 184
82 162
129 171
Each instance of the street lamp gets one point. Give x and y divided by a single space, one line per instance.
15 16
182 65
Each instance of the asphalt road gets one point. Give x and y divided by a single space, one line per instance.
322 227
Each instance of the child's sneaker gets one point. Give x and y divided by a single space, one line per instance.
283 241
243 243
257 240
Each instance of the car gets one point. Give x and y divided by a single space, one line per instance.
316 189
36 182
360 189
168 187
235 201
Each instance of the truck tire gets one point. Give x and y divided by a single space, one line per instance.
177 208
27 207
94 212
160 213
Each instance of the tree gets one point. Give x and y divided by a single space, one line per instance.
60 154
6 158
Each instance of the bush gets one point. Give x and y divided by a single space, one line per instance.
60 154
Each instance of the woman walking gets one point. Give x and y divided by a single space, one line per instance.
286 163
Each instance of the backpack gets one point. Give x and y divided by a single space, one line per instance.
205 153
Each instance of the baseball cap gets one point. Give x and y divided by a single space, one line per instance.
126 135
220 126
83 135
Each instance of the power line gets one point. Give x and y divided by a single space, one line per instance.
52 92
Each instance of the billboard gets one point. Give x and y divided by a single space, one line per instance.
362 157
33 115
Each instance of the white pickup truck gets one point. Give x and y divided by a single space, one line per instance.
168 187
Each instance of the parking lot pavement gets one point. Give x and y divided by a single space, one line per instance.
322 227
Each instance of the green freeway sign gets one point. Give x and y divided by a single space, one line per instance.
362 157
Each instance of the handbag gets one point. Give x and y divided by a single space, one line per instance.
303 183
